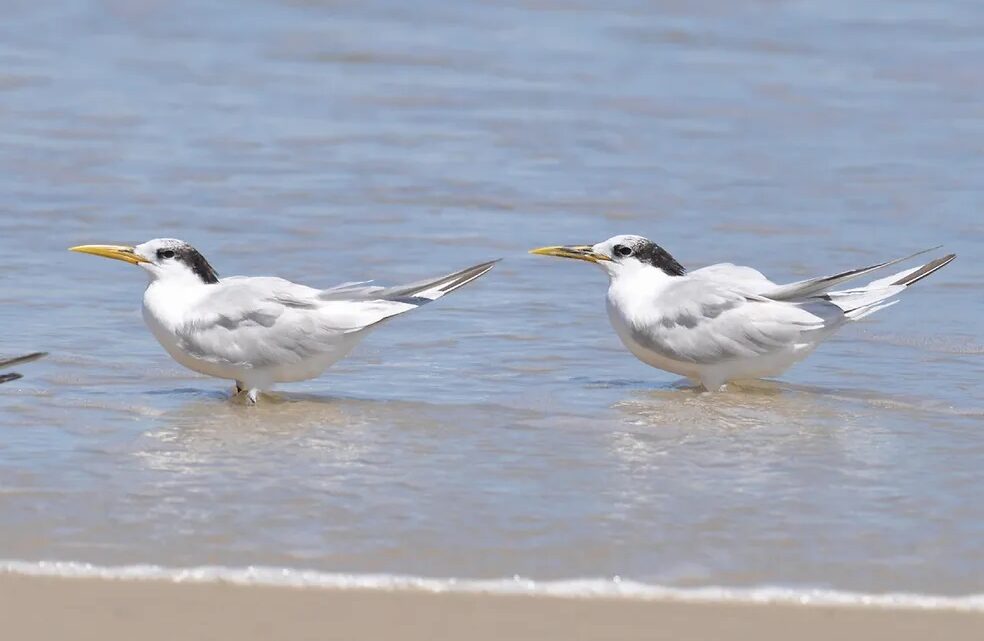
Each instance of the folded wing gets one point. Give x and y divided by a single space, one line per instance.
271 321
701 322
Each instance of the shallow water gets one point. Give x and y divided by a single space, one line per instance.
501 431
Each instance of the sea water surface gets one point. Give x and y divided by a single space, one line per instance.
502 431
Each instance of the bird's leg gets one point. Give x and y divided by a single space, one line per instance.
711 385
251 393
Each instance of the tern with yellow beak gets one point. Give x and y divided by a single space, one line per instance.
726 322
259 331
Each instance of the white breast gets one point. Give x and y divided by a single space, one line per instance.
644 354
629 297
164 306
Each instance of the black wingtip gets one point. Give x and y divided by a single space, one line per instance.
926 270
467 275
19 360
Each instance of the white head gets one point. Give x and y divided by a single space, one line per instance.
620 255
161 258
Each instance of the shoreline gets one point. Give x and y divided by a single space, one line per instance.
615 588
82 608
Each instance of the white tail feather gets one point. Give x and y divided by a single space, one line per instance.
861 312
862 301
817 286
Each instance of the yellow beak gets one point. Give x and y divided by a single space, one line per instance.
116 252
577 252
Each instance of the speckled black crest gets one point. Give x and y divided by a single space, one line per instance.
192 258
649 252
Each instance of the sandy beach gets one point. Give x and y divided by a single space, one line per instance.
84 609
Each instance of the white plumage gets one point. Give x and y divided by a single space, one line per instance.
725 322
260 331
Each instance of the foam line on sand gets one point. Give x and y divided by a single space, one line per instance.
614 588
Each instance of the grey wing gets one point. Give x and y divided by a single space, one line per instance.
701 322
274 321
266 321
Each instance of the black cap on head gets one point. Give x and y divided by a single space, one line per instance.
646 251
185 253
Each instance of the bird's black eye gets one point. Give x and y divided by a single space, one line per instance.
167 253
622 250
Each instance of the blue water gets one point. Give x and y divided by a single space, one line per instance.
502 430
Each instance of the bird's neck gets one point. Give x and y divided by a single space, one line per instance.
177 276
167 300
640 275
639 286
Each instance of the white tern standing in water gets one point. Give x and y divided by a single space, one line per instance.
726 322
259 331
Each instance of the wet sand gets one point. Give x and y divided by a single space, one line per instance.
83 609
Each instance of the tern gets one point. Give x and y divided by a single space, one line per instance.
6 363
725 322
259 331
